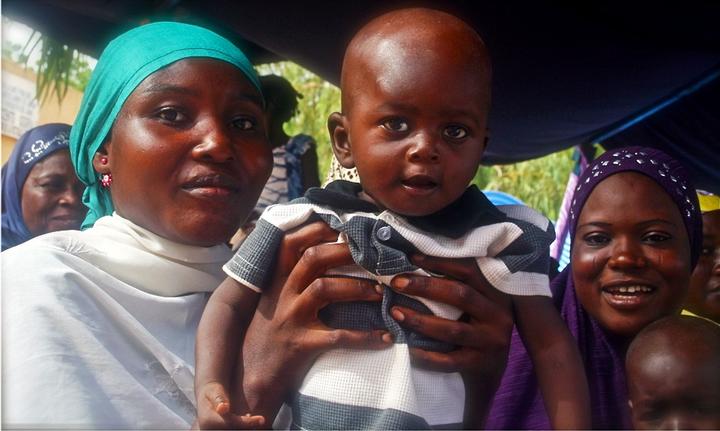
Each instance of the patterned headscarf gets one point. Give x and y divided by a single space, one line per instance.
123 65
32 147
661 168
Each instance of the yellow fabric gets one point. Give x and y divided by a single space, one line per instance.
708 202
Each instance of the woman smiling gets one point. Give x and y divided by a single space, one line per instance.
636 236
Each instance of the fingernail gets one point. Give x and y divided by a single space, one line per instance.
379 289
401 282
387 338
397 315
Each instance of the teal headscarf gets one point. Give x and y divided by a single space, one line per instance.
125 63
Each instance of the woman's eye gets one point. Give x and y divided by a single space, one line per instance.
53 185
244 123
707 250
396 125
455 132
656 237
596 239
171 115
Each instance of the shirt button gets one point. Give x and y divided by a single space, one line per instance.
384 233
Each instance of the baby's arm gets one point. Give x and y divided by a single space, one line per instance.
556 360
217 350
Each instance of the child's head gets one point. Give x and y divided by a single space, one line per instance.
415 98
673 375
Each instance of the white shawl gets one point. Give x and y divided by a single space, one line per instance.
99 328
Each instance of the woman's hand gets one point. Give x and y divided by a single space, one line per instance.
285 335
482 335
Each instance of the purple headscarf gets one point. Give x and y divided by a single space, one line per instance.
518 403
32 147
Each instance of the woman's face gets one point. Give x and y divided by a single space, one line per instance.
704 295
51 197
631 255
188 152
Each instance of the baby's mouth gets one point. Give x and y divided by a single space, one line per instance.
420 182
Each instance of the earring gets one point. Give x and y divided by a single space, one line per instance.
103 160
106 180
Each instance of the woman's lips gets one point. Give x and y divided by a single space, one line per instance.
628 296
212 186
65 221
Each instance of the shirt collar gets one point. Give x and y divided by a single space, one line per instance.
472 209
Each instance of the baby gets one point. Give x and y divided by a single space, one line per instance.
415 97
673 375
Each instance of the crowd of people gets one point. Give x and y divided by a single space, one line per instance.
397 297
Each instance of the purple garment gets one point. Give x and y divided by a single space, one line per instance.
518 403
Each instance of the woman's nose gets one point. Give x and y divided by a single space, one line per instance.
423 149
627 255
70 196
215 144
716 264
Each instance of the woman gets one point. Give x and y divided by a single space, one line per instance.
99 325
636 235
40 191
704 295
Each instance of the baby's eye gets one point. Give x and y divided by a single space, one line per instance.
596 239
244 123
455 132
171 115
396 125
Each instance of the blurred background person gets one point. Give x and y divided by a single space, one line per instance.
40 191
295 167
704 295
295 158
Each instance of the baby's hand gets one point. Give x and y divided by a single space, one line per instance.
214 411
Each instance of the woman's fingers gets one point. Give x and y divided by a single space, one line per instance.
438 328
444 290
247 422
296 241
327 290
450 362
315 262
322 339
460 269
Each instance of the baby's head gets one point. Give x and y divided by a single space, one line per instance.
673 374
415 99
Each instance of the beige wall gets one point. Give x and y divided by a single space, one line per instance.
50 111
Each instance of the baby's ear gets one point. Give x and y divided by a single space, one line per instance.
340 139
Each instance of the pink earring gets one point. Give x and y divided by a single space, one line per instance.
103 160
106 180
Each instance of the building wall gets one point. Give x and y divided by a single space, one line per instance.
48 112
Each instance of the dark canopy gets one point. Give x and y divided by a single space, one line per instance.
630 72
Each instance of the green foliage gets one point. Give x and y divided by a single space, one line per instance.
540 183
58 67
